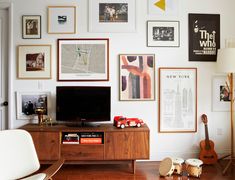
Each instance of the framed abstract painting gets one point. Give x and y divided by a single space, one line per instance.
137 77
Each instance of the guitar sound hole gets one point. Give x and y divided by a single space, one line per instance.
209 156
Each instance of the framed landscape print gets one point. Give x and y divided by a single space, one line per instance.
163 7
112 16
31 27
163 33
27 102
34 61
204 37
83 59
177 100
137 77
61 20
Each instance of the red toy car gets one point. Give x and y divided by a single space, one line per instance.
122 122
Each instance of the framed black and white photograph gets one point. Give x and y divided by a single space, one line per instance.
83 59
28 102
163 34
204 37
34 61
177 100
31 27
112 16
61 20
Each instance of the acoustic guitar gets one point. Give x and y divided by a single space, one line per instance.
207 153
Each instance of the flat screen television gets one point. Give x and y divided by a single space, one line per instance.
79 104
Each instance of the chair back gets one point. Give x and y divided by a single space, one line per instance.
18 157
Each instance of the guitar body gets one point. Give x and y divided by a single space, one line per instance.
208 155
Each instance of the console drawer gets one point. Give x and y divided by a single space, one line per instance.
82 152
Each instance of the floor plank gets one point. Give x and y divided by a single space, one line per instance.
144 171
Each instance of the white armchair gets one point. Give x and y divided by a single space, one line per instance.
18 157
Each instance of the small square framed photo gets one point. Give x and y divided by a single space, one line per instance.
61 19
34 61
31 27
163 33
27 102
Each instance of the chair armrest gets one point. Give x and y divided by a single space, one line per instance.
50 171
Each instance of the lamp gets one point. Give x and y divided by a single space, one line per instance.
226 64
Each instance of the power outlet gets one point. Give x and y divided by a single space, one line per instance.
219 132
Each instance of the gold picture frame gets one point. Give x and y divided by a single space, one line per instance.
61 20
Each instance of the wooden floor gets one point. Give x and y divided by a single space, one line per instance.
144 171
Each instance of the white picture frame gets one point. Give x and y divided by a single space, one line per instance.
166 7
219 101
177 100
26 102
122 19
163 33
34 61
61 20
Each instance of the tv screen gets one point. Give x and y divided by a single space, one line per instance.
83 104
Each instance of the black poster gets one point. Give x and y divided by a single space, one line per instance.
204 36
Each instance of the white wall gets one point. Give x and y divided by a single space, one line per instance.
179 144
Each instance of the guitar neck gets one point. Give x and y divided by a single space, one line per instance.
207 137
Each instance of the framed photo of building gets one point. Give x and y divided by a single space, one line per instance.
31 27
204 37
137 77
177 100
83 59
163 33
34 61
61 20
112 16
27 102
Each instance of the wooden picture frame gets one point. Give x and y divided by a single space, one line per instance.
112 16
163 33
177 100
61 20
204 37
31 27
34 61
137 77
83 59
27 102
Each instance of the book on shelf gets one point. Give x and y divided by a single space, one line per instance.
92 135
91 140
71 142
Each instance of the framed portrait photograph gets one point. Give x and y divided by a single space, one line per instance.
220 93
61 19
34 61
31 27
204 37
137 77
28 102
83 59
112 16
163 33
177 100
163 8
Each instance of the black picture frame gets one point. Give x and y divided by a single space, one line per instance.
33 29
204 37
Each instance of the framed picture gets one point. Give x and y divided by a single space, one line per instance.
137 77
163 7
204 37
61 19
177 100
112 16
83 59
31 27
27 102
163 33
34 61
220 94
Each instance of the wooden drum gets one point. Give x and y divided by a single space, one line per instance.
166 167
194 167
178 167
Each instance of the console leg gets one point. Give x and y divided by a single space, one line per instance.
133 166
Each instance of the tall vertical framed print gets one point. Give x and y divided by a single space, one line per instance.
177 100
204 37
31 27
137 76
